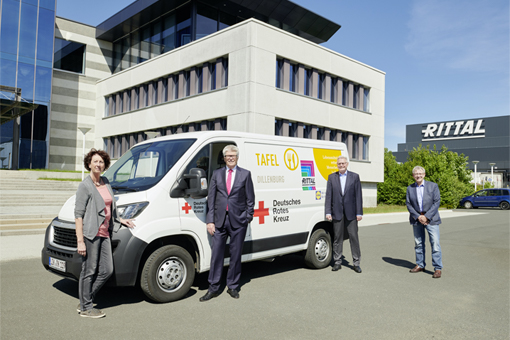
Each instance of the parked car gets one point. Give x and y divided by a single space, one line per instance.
488 198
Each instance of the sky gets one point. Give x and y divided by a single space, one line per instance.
443 59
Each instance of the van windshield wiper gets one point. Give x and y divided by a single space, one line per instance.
124 188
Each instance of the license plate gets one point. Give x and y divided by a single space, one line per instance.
58 264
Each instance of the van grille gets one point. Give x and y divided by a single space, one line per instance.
64 237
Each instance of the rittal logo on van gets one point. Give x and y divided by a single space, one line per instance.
308 174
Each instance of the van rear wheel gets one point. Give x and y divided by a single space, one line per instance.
504 205
167 274
319 252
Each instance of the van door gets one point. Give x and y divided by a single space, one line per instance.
192 211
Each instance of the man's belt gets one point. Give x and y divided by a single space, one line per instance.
422 212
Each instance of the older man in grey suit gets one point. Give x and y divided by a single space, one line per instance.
344 206
422 200
231 202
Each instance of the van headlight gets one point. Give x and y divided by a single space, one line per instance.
131 210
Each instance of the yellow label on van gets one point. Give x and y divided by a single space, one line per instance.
325 160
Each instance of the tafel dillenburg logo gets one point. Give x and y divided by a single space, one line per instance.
308 175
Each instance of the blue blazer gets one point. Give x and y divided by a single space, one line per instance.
241 201
351 202
431 201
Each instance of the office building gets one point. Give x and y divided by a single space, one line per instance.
485 141
166 67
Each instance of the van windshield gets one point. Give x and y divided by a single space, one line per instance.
143 166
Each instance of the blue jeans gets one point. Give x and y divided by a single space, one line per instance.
419 245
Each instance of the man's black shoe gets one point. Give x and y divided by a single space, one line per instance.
357 269
234 293
208 296
336 267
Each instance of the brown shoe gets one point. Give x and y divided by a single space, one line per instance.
437 274
417 269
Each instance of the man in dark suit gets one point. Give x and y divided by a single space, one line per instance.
422 200
344 206
230 201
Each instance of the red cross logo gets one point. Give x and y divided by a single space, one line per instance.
261 212
186 208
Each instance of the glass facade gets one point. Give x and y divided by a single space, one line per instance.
26 54
171 30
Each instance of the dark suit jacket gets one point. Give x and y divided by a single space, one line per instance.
431 201
351 202
241 200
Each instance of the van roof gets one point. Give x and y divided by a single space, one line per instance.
204 135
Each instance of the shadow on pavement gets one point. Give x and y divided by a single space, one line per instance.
403 263
252 270
107 296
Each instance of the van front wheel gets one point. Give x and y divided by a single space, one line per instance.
167 274
319 252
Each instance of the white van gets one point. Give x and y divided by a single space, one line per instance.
162 183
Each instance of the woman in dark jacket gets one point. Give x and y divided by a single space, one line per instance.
96 217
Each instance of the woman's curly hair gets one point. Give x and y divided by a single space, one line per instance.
103 154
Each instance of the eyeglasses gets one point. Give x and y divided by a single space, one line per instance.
341 163
230 156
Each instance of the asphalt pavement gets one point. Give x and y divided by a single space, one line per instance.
285 300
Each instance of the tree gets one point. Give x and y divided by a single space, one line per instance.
446 168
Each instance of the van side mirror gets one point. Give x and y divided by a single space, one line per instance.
192 185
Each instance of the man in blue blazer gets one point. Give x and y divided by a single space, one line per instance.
344 206
422 200
231 202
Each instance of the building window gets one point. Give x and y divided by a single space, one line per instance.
127 104
366 101
136 99
69 56
292 77
186 83
164 90
120 103
321 86
183 25
365 148
207 20
145 95
355 102
107 106
333 95
295 78
279 73
114 106
224 63
355 148
212 73
154 92
308 81
200 80
345 93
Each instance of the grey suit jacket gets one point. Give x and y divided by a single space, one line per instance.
241 201
431 201
351 202
90 207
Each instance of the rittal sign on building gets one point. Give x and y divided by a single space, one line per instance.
460 129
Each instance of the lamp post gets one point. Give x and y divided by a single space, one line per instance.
83 130
492 172
475 163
